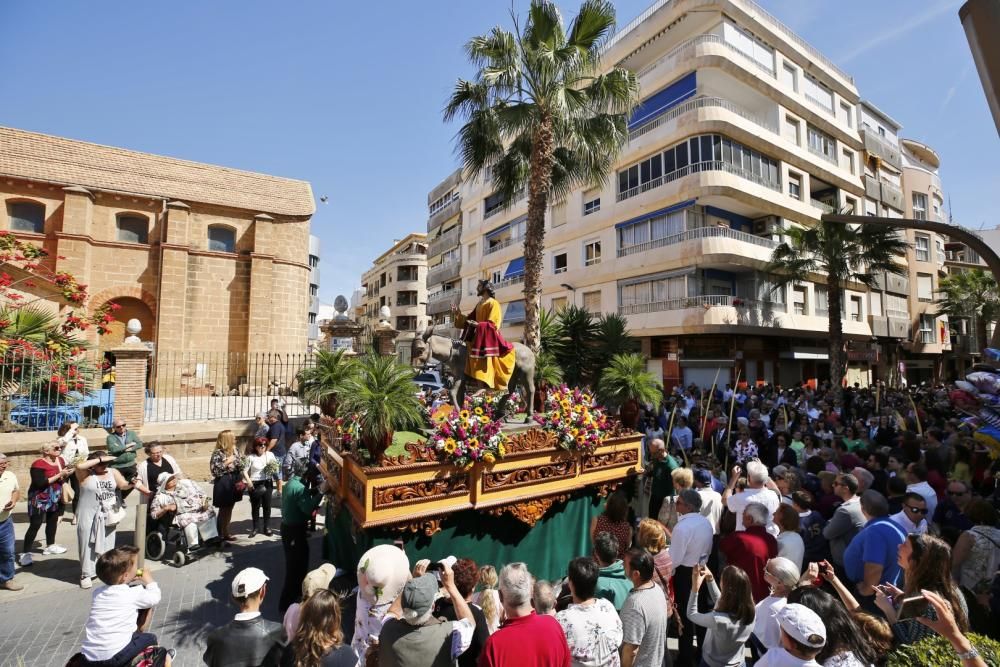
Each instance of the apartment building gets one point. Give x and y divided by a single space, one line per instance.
398 279
743 131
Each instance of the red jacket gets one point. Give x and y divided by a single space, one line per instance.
750 550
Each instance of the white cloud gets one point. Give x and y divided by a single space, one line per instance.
903 28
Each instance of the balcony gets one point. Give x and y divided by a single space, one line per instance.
698 233
713 165
703 301
699 103
446 241
506 243
444 272
450 210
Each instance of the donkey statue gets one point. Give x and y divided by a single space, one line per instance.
452 354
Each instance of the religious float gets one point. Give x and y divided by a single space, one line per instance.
480 487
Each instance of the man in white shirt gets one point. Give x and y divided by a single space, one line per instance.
913 517
916 481
690 546
112 635
760 489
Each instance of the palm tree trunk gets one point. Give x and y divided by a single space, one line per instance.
539 183
838 364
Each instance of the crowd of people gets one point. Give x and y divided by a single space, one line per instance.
772 527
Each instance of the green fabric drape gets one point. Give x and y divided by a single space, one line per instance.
561 535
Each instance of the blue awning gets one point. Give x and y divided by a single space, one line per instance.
514 312
499 230
515 268
656 214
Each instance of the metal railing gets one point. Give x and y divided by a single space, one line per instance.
702 301
40 392
697 233
506 243
684 48
699 103
194 386
712 165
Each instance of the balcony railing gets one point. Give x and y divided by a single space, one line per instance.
699 103
682 50
702 301
698 233
506 243
713 165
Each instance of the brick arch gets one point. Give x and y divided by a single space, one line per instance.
112 293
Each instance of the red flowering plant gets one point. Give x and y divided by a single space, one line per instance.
571 415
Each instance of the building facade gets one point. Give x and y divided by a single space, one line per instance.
398 280
743 131
207 258
314 304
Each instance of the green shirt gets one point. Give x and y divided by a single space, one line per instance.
116 447
297 504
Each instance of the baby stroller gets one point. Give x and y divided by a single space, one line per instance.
170 543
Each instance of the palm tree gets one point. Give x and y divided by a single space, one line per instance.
541 116
845 254
626 384
322 383
971 295
383 397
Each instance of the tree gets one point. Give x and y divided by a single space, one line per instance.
844 254
540 115
972 295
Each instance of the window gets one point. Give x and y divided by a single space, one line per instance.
592 206
821 143
925 287
875 303
919 206
856 313
133 229
927 329
223 239
799 306
793 130
923 247
790 77
846 115
849 161
26 216
559 263
795 185
558 303
592 253
592 301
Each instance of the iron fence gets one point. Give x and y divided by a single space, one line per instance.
196 386
40 391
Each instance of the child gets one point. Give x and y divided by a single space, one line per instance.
803 636
112 635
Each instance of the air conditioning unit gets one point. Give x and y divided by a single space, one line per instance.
767 226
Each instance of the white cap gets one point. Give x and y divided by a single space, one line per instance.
248 582
803 625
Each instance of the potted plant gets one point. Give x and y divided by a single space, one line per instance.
322 383
382 395
626 384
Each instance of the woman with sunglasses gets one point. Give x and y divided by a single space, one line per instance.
45 503
926 564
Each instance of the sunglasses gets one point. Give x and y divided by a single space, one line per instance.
916 510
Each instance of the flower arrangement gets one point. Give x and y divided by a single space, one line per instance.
469 435
571 414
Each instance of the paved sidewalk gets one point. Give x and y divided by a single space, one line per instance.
43 624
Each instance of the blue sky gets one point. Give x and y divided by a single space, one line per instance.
348 95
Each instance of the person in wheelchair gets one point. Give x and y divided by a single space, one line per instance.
181 503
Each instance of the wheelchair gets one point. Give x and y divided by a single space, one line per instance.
167 543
